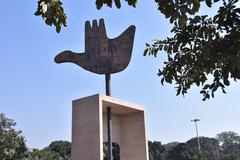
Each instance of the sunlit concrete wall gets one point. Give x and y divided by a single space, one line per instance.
89 128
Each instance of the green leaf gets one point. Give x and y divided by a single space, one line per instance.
216 73
215 88
159 72
226 82
99 4
132 2
202 91
37 13
212 94
223 90
211 86
182 21
208 3
169 12
207 96
162 81
145 52
178 90
206 86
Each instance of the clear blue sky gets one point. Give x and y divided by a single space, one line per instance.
37 93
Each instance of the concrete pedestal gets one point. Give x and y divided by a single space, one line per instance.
89 128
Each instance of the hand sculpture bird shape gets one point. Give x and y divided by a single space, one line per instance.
102 55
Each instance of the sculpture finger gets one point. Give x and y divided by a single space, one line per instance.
103 40
88 33
87 28
95 26
102 29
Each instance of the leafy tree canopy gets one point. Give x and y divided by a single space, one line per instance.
182 151
63 148
43 154
228 139
53 13
57 150
230 145
12 143
156 150
200 49
210 148
13 147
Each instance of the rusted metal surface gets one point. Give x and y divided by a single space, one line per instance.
102 55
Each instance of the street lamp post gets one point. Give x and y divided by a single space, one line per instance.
195 122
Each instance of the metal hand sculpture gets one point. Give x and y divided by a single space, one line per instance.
102 55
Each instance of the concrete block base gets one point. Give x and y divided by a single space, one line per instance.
89 128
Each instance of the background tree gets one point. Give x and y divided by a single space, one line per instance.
63 148
232 153
12 143
227 139
182 151
210 148
156 150
170 145
230 145
202 46
57 150
43 154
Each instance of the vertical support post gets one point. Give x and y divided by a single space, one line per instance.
109 117
199 148
108 80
